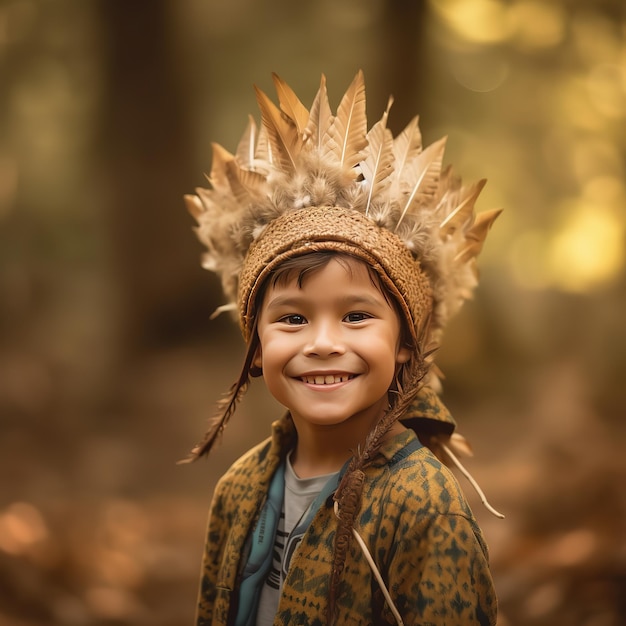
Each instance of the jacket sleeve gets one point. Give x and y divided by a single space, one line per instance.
236 501
217 532
439 573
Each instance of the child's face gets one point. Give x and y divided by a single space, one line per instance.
329 349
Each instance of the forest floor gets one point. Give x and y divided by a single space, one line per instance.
98 525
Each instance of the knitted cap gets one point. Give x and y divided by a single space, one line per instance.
302 231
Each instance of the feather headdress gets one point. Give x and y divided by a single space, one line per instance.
301 158
310 180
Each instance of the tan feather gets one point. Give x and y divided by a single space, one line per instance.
228 178
255 183
462 214
238 190
406 146
378 163
247 145
218 176
347 134
320 118
449 185
475 236
263 151
282 134
290 104
207 199
194 206
425 177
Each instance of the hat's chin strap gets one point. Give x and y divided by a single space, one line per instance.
471 479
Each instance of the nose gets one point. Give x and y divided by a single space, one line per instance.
324 339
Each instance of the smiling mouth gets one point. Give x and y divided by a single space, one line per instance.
327 379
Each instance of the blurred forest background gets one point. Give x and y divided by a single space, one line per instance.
109 365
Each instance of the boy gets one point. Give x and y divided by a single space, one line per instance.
345 252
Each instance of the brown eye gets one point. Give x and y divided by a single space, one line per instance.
293 320
356 317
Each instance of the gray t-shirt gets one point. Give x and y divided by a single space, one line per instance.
299 495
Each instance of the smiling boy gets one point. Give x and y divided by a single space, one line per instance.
345 252
329 350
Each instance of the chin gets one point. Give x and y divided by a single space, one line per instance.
333 419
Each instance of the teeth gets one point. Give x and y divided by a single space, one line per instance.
328 379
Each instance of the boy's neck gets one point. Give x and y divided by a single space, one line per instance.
321 451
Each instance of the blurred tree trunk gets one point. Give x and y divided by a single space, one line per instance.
406 66
147 166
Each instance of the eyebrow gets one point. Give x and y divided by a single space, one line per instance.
349 300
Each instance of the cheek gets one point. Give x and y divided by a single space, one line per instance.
385 352
272 350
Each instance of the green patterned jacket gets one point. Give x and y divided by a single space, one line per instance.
414 520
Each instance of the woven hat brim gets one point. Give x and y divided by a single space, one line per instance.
338 229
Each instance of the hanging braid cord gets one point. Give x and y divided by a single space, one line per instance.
350 490
226 407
